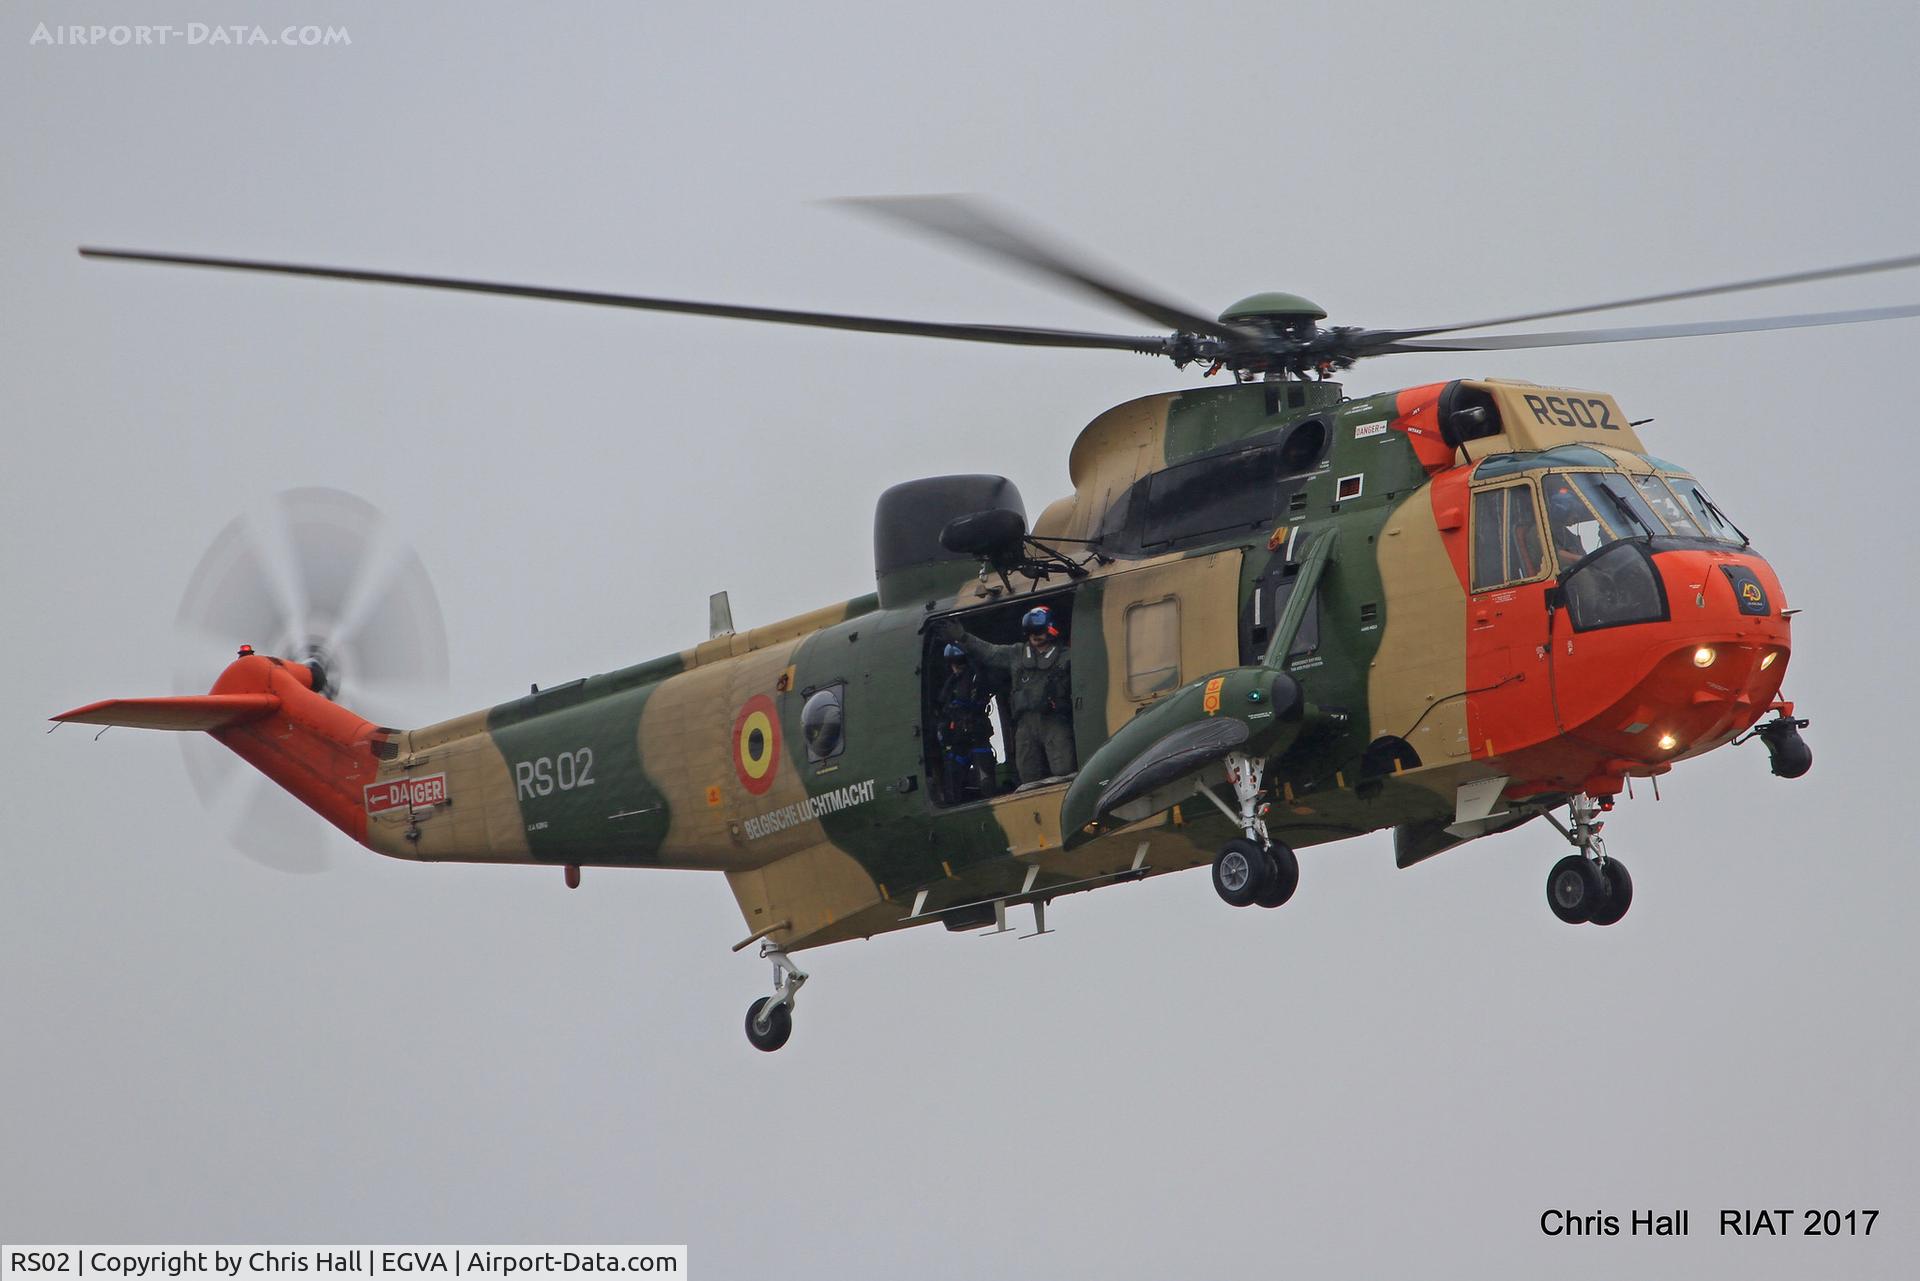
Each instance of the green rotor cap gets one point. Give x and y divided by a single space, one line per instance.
1284 308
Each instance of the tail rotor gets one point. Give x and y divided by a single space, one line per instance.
316 576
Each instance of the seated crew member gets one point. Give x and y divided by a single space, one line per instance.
1042 698
963 732
1565 512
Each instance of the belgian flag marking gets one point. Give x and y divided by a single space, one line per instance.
756 744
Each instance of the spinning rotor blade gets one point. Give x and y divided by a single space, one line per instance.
1259 349
1640 333
1015 335
313 575
1704 291
971 224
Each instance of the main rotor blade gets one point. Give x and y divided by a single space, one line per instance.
1012 334
1583 337
1704 291
970 223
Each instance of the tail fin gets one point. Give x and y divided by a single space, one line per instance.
266 710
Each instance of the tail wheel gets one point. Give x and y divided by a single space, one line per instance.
1286 875
769 1028
1619 894
1241 873
1575 889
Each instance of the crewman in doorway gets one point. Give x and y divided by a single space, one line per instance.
1042 700
963 732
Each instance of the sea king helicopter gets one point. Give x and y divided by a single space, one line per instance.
1293 616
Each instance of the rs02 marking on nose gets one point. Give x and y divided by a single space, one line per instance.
545 775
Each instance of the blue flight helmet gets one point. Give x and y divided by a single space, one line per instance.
1038 619
953 651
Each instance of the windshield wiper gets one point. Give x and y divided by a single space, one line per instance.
1722 518
1629 518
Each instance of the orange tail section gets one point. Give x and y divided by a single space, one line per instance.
266 710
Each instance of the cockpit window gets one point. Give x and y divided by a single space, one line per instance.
1506 537
1661 499
1575 528
1705 514
1609 494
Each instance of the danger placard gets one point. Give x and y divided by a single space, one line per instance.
407 793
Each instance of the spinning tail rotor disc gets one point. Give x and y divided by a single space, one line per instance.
315 576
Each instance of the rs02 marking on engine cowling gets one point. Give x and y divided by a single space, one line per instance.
1573 411
545 775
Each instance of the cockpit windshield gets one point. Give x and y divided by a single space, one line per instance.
1585 511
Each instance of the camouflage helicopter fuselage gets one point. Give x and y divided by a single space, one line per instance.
1268 552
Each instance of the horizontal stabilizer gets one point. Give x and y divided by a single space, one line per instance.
188 712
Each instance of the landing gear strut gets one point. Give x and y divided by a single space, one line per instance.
770 1019
1587 887
1255 868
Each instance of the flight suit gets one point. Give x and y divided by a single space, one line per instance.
964 735
1041 704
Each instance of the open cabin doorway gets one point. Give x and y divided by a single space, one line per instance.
977 761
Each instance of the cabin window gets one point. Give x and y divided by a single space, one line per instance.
1507 547
1153 648
822 724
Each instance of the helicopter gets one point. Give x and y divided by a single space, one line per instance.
1272 616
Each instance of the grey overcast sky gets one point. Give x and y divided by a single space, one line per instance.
1395 1075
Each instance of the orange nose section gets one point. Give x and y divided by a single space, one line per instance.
1631 699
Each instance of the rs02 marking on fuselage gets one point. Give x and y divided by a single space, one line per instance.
1573 411
546 775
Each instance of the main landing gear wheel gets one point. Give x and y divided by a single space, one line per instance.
1285 879
1575 889
1242 872
1251 868
769 1028
1619 894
